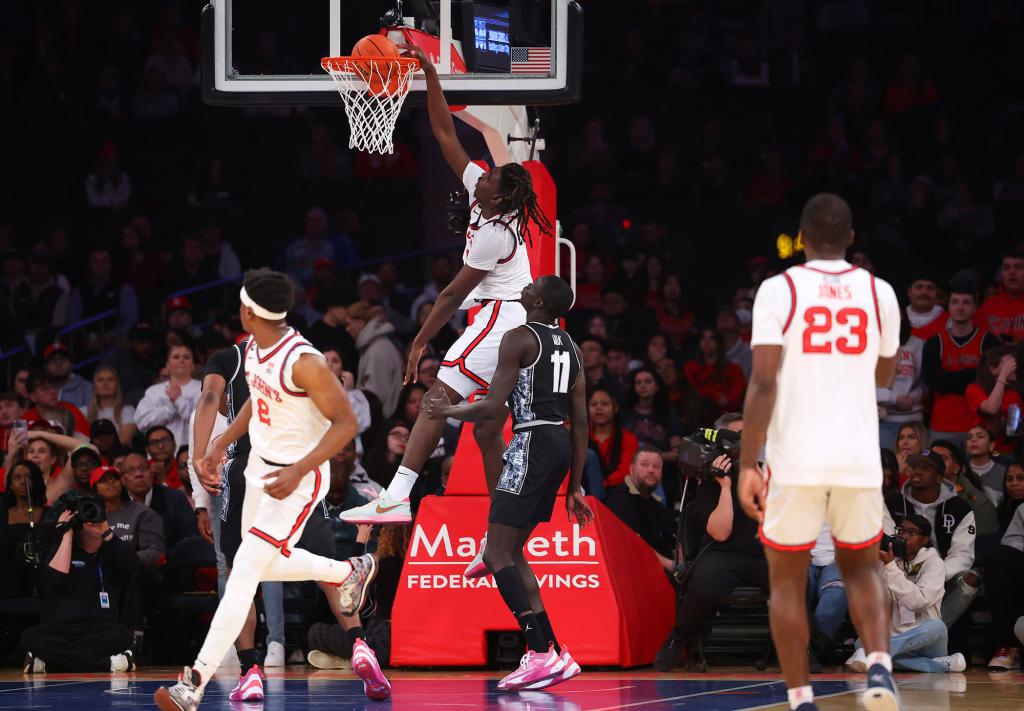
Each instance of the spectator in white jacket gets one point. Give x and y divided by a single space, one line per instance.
903 400
916 583
380 361
171 403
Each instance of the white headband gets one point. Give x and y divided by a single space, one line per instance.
259 310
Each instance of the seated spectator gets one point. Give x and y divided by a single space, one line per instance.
990 396
446 335
618 361
715 378
160 446
588 292
107 403
736 349
317 242
911 439
179 520
637 504
356 397
980 447
133 523
982 500
614 445
329 330
927 317
647 413
408 408
135 365
915 585
370 290
345 494
103 436
903 399
593 355
99 292
673 318
1013 495
74 389
179 321
1003 312
48 450
953 532
826 596
83 461
890 473
10 411
729 554
171 403
1004 589
380 362
83 582
628 324
427 370
382 460
22 509
49 304
107 185
47 406
442 271
949 364
692 410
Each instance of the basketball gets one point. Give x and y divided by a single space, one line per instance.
380 77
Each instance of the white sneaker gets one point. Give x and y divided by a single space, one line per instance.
352 592
275 655
382 510
477 568
33 665
953 663
123 662
183 696
858 662
323 660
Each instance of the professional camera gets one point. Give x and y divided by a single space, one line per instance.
899 545
457 209
87 508
698 451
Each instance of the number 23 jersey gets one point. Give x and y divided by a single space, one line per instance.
833 321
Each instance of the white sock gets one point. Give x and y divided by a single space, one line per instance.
800 695
303 565
882 658
402 483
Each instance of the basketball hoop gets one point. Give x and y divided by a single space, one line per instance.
373 89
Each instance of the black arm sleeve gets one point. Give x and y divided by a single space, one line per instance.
936 378
223 363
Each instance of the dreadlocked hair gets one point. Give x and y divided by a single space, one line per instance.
518 195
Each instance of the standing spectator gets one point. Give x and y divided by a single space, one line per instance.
74 389
160 446
614 445
171 403
980 446
47 406
380 362
1003 313
317 243
135 364
647 413
903 399
99 292
637 505
714 377
131 522
179 520
108 185
736 349
1005 592
926 316
949 364
107 403
990 396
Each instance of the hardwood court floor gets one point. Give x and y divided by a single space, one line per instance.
300 687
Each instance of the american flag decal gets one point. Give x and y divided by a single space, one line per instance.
531 60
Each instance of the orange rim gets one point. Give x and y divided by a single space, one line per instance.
338 64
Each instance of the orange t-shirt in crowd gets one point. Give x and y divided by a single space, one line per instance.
1003 315
604 450
975 395
932 328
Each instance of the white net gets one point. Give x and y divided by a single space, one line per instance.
373 91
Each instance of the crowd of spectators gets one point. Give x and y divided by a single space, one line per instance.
678 201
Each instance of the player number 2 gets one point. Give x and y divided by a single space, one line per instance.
263 411
560 360
819 326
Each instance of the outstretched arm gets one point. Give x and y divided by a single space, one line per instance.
441 123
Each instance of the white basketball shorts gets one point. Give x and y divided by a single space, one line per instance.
280 522
469 364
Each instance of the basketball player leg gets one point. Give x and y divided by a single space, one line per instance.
490 438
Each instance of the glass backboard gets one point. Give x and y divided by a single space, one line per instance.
488 52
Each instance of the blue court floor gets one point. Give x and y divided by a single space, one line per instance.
602 691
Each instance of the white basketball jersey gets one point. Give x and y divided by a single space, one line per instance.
493 246
833 322
285 424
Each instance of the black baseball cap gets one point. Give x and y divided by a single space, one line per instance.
102 427
929 459
84 451
142 331
919 522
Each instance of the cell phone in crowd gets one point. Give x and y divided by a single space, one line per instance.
19 426
1013 420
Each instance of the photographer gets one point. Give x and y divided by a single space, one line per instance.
83 579
915 577
730 554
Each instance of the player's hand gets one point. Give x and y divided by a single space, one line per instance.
412 366
751 493
411 50
282 482
578 508
886 555
208 469
435 405
205 526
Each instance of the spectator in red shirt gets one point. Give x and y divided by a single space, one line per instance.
674 319
771 187
1003 313
46 406
713 376
989 396
614 445
588 294
910 89
925 314
161 447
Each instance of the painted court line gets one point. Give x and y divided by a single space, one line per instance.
816 699
36 687
684 696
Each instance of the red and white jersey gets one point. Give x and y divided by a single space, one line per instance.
493 246
285 423
833 321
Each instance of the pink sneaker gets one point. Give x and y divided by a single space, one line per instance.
477 568
534 670
249 687
364 664
563 670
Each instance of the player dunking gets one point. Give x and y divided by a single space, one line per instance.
824 333
538 375
297 417
495 270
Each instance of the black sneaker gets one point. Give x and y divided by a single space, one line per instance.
881 694
807 706
668 656
813 663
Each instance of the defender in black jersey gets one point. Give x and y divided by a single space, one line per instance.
538 374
